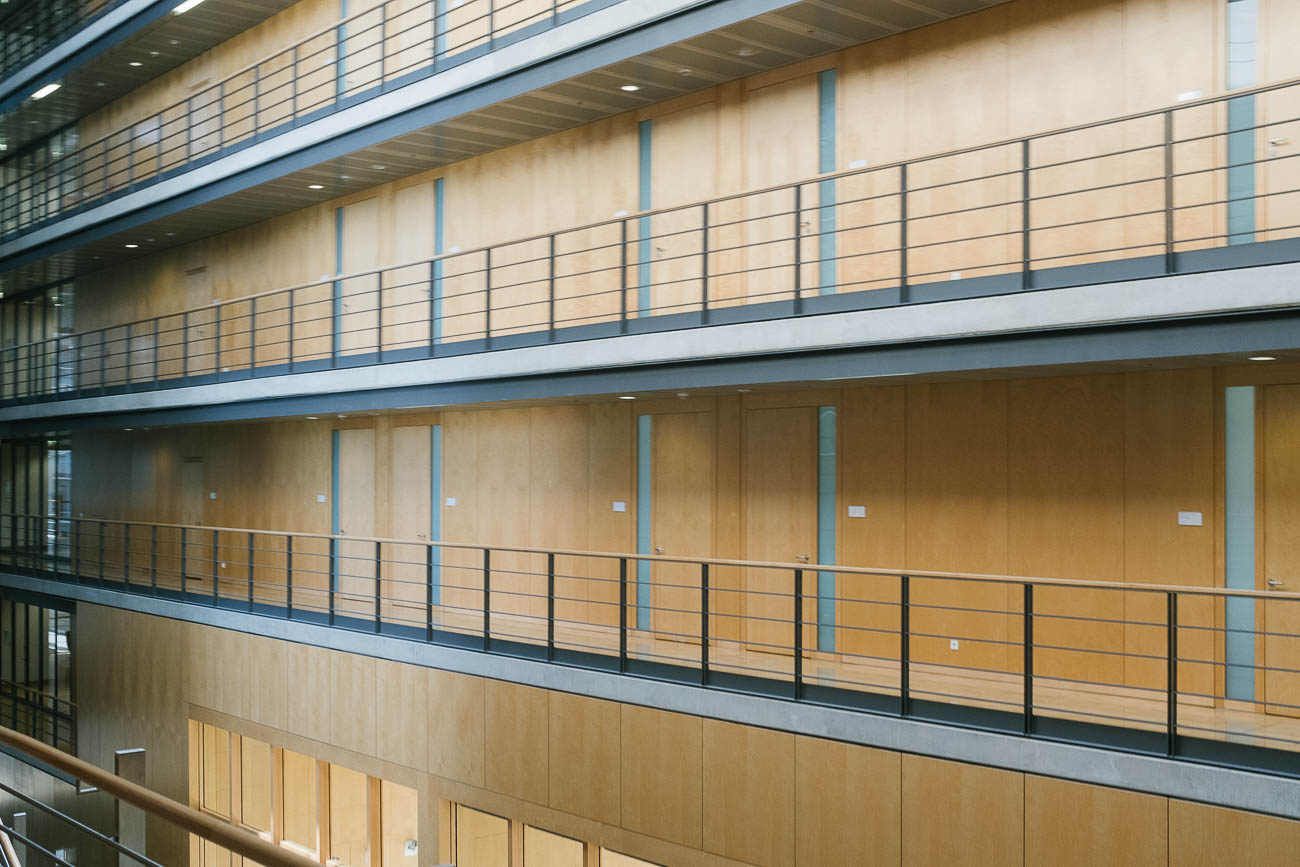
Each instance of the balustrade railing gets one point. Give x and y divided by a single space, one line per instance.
386 46
34 28
1157 193
1125 665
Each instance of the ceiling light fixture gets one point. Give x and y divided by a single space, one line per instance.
627 397
745 52
186 7
132 246
630 88
46 91
315 186
1262 358
379 167
135 63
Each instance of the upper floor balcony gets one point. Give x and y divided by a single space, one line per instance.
1115 209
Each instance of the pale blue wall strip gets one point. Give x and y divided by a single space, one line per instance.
439 29
1243 29
334 506
340 48
826 237
645 135
439 199
1239 539
435 508
826 498
643 506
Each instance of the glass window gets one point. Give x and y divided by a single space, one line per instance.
300 800
544 849
349 817
255 783
215 794
482 840
400 812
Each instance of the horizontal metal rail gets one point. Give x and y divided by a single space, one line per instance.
1037 212
33 28
368 53
1123 665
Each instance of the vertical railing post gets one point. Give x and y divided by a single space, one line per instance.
904 646
487 298
622 613
704 624
1029 658
428 592
550 284
1169 191
1026 256
221 114
903 291
433 306
623 277
798 249
288 577
153 559
74 555
292 293
185 344
126 554
704 263
293 88
157 350
101 553
216 361
1171 676
550 606
249 556
797 620
257 95
334 576
379 586
487 598
252 336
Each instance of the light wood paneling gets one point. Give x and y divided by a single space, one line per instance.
352 686
1202 836
682 486
847 807
456 714
965 814
515 726
1278 505
1070 824
402 703
749 793
584 757
662 766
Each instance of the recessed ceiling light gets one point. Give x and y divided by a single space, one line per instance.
684 71
153 53
745 52
99 84
315 186
627 397
629 88
1262 358
46 90
186 6
174 42
135 63
132 246
312 417
379 167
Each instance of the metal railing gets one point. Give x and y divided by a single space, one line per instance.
58 837
1131 666
1150 194
386 46
44 716
35 27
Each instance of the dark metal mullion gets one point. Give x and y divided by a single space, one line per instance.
704 624
379 566
288 577
797 620
487 597
904 646
1171 681
550 606
1029 658
622 614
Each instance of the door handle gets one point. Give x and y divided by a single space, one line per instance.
803 557
659 549
1272 583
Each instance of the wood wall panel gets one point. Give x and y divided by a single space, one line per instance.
456 723
965 814
749 793
662 774
516 723
847 804
585 735
1201 836
1070 824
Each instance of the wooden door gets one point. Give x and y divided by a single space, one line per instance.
1278 496
780 472
683 171
407 290
358 319
355 561
681 522
406 576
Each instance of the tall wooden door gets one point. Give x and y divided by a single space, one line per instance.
681 522
193 498
355 561
780 472
406 576
358 305
1278 498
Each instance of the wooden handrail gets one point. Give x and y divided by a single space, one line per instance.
236 839
868 571
7 846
